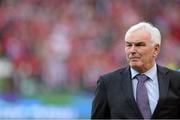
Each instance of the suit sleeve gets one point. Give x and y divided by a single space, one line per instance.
100 108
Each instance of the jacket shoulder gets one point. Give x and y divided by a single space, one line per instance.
169 72
114 74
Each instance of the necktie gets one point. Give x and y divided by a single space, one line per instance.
142 96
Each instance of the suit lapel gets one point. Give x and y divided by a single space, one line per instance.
128 91
163 81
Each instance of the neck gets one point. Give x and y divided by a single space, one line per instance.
144 69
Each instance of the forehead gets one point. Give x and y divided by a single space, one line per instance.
139 36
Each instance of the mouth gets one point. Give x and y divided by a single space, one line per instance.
134 58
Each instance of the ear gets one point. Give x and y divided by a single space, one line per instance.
156 49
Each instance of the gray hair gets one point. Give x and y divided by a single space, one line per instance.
154 32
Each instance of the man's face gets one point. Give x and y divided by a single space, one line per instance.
140 51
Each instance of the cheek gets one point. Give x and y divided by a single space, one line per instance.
148 56
126 52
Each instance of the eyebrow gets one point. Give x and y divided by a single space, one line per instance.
136 43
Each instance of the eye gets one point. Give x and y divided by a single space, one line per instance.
140 44
128 44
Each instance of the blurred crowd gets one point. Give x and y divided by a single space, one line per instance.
67 44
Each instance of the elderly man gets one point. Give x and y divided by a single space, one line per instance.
142 90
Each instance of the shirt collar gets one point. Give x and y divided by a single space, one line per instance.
150 73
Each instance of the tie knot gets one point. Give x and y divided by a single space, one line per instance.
141 77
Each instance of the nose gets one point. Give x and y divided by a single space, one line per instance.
132 49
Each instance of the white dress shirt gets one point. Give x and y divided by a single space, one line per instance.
151 85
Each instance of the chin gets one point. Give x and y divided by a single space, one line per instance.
135 65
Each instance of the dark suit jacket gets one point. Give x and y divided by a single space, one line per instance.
114 96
